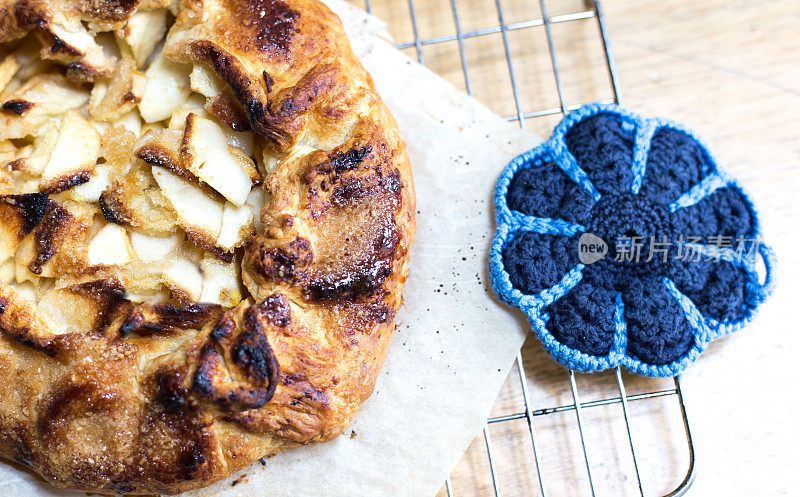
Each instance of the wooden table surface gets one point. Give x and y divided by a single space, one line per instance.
730 70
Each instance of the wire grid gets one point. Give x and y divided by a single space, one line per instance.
593 11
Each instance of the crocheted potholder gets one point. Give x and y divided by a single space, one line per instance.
625 244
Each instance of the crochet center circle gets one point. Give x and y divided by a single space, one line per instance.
625 244
627 220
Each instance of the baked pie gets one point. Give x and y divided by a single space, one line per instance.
206 213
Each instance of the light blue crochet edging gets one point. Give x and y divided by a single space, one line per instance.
510 223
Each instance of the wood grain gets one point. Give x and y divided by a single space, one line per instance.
730 70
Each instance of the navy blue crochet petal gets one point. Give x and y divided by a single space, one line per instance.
546 191
535 262
675 163
604 150
726 212
583 319
658 331
719 289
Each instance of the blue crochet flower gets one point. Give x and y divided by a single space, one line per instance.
625 244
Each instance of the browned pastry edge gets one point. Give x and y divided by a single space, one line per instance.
164 398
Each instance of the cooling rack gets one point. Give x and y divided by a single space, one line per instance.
531 413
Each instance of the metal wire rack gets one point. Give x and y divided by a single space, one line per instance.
593 11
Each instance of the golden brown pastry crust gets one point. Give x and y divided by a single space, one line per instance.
163 398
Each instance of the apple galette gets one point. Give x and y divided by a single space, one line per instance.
205 220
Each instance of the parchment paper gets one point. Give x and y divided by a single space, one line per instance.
454 344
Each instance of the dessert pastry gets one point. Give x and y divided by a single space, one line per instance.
206 216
